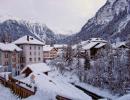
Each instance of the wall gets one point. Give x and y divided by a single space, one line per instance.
36 53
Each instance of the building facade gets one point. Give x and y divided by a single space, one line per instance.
32 50
49 52
10 58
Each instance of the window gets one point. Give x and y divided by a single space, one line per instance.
30 53
35 47
30 59
34 53
39 59
22 59
6 63
39 48
6 55
34 59
30 47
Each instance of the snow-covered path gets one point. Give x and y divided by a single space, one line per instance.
5 94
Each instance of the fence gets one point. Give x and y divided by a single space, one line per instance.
21 91
17 89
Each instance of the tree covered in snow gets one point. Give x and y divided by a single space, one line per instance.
87 61
69 54
109 70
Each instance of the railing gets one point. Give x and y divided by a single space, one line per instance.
22 92
17 89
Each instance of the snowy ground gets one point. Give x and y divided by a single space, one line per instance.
125 97
72 78
5 94
100 92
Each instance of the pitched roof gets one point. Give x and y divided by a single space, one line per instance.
100 45
28 40
119 44
89 45
38 68
9 47
52 87
92 42
47 48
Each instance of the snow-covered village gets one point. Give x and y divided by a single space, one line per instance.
65 50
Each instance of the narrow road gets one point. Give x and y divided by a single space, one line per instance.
93 95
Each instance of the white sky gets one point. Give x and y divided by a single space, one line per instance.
62 16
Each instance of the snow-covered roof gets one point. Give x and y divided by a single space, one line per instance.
28 40
100 45
92 42
47 48
51 88
74 46
85 42
38 68
119 44
60 45
89 45
9 47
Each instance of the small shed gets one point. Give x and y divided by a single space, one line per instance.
36 68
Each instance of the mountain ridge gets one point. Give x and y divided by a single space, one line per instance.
15 29
111 21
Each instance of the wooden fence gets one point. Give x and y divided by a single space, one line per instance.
20 91
17 89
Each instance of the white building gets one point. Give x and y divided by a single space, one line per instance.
10 58
32 50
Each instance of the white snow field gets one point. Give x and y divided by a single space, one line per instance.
72 78
125 97
5 94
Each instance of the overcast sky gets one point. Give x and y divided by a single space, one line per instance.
62 16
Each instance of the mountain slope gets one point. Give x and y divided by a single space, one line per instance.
111 21
15 29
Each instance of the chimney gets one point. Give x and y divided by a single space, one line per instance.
27 38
